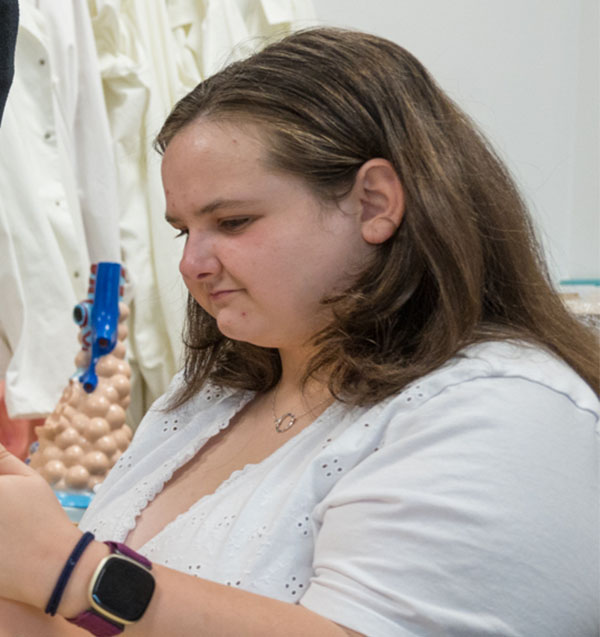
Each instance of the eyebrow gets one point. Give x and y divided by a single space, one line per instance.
217 204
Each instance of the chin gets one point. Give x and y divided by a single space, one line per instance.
252 339
237 333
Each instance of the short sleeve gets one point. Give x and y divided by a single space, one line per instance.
477 516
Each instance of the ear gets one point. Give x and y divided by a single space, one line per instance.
381 196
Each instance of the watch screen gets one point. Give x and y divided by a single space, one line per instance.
123 588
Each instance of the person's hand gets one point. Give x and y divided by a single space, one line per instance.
36 536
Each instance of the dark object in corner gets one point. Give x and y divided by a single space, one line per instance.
9 23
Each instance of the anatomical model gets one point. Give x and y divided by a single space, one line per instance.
86 433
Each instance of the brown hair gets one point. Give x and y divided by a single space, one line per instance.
463 267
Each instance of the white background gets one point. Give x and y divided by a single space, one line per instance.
528 72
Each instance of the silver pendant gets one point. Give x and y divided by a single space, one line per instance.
280 424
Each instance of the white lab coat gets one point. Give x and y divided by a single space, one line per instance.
58 203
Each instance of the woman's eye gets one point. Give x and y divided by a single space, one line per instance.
181 233
234 223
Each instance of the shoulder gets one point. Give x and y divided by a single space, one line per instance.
495 415
517 372
496 395
484 472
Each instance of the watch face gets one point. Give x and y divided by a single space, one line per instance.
122 589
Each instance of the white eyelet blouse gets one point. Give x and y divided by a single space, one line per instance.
467 505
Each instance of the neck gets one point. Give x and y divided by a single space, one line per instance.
293 367
292 392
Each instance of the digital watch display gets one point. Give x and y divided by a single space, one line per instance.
119 593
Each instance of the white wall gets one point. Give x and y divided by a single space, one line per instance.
528 72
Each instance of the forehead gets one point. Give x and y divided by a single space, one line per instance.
220 160
205 153
216 138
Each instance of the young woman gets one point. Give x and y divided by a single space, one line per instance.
387 421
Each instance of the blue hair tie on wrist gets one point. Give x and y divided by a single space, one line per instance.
63 578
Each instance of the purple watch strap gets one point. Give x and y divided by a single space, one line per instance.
90 619
127 552
99 626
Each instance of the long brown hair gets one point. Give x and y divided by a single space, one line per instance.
463 267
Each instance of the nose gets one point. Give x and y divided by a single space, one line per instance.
199 260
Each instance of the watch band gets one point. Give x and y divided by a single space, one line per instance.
93 620
97 625
123 549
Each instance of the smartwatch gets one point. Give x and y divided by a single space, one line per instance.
119 593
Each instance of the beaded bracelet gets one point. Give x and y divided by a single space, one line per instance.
63 578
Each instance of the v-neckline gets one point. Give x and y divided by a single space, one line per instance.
234 476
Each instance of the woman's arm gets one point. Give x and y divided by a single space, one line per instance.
36 538
185 605
20 620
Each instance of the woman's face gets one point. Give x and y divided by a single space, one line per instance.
261 250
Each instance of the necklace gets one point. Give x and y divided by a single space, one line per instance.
288 420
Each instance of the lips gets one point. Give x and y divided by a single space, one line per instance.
219 295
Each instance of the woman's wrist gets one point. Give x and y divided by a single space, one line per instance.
75 597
